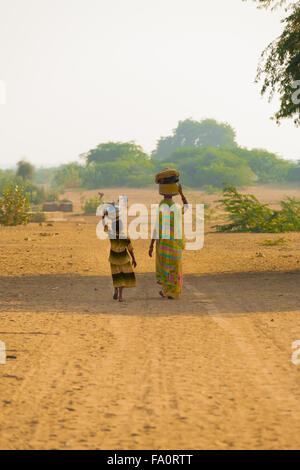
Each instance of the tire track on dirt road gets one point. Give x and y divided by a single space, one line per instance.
283 393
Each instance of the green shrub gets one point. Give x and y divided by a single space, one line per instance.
289 215
38 217
90 205
14 206
247 214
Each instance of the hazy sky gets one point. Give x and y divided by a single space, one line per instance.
82 72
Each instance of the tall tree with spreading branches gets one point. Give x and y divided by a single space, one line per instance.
279 68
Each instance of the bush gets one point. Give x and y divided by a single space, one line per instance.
247 214
14 206
289 215
90 205
38 217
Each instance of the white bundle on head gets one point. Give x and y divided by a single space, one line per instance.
113 212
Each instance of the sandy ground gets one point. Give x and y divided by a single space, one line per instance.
211 371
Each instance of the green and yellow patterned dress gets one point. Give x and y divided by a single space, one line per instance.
169 256
120 263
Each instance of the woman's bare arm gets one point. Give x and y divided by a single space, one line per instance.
151 247
134 263
184 199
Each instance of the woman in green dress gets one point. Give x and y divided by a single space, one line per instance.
169 250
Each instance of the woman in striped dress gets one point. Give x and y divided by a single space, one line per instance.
168 252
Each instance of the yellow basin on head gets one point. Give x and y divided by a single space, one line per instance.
168 189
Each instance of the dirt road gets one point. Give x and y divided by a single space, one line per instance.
211 371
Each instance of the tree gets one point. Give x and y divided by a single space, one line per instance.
117 163
44 175
190 133
279 68
68 176
267 166
269 3
25 170
294 173
7 177
210 166
112 151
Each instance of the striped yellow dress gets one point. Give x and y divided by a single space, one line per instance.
120 263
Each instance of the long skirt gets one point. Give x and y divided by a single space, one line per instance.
169 268
123 275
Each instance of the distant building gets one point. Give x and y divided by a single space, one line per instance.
58 207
